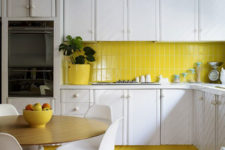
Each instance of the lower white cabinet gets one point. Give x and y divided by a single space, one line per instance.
220 125
209 127
143 117
209 121
198 137
116 100
140 110
75 102
176 116
20 103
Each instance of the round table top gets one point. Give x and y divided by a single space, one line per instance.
60 129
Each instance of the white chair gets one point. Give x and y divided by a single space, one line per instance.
100 112
9 142
107 142
8 110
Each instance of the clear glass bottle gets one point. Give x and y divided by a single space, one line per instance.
191 75
198 72
184 77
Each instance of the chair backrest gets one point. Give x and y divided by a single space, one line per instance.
9 142
8 110
108 140
100 112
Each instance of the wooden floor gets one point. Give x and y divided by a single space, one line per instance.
161 147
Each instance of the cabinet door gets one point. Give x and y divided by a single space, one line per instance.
211 20
198 119
221 122
144 117
141 20
110 20
176 116
76 21
114 99
18 8
209 141
177 20
42 8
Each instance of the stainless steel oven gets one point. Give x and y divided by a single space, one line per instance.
30 58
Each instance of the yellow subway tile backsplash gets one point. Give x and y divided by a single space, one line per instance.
127 60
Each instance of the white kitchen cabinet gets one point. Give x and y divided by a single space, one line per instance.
20 103
42 8
31 8
75 102
143 117
176 116
211 20
142 20
198 119
111 22
79 18
220 124
18 8
178 20
209 127
117 102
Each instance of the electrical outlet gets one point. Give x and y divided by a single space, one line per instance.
222 148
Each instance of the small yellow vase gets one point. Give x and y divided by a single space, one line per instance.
79 74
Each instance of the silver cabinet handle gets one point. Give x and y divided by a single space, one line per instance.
76 95
213 102
128 96
33 6
76 109
27 6
201 98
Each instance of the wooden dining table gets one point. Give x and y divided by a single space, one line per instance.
60 129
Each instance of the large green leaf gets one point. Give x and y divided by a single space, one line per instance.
80 59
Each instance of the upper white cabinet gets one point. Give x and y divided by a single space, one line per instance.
42 8
142 20
18 8
110 20
143 117
176 116
177 20
211 20
79 19
31 8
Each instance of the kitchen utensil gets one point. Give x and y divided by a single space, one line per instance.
142 78
137 79
214 73
176 78
222 76
148 78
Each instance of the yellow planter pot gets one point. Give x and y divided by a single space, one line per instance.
78 74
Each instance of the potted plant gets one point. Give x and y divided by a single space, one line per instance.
79 60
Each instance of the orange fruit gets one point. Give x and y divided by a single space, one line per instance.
29 107
46 105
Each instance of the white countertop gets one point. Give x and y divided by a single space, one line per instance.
210 88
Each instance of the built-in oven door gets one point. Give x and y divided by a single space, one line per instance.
30 48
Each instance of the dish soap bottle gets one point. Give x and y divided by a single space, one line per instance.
198 72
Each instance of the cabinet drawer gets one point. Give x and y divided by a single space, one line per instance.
75 95
74 108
